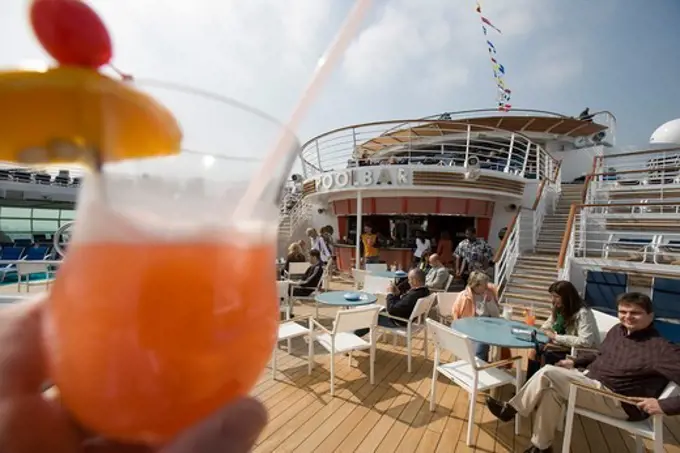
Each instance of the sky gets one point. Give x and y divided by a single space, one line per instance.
410 58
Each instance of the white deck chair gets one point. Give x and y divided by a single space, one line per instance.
27 268
376 285
449 281
470 373
359 277
376 267
604 323
652 428
445 303
342 338
414 324
283 290
295 269
290 329
312 297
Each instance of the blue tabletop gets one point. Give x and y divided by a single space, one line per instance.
337 298
388 274
495 331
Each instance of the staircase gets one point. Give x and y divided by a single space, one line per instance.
552 230
535 272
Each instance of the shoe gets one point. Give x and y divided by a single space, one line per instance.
534 449
501 410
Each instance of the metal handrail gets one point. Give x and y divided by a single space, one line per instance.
338 149
576 208
56 238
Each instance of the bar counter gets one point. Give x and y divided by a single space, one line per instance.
390 255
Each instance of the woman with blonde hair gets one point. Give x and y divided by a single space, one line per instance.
480 298
295 255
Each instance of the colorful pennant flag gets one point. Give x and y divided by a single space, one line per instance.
504 93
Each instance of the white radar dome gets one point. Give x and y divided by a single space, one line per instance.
667 133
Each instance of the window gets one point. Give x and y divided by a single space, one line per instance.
46 213
24 213
45 226
15 225
68 214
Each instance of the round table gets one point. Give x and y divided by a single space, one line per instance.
496 332
337 299
388 274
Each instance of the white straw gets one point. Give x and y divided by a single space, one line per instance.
285 142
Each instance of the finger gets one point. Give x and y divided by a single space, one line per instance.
22 359
32 424
234 429
104 446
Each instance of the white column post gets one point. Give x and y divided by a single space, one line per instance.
360 210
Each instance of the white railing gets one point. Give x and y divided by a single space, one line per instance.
300 214
563 274
504 266
637 177
426 142
653 159
641 239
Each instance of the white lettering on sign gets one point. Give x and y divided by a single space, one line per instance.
402 176
363 177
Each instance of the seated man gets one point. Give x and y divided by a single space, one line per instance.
438 275
402 305
633 360
311 278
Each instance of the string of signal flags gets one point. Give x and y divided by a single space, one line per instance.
504 93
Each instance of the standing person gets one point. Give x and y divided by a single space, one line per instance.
370 243
327 235
445 249
423 247
317 243
472 254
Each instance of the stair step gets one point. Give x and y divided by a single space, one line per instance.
507 295
557 241
541 258
526 288
535 270
532 277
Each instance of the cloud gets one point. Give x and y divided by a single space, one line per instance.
411 58
438 44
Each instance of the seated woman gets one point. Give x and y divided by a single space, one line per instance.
479 298
295 255
571 324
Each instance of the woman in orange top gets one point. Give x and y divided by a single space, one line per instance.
445 249
480 298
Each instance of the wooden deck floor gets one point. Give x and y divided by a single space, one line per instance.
393 415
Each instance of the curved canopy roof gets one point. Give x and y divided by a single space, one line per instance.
564 126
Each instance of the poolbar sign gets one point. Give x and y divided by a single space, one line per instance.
363 177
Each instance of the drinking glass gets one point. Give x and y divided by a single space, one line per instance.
165 308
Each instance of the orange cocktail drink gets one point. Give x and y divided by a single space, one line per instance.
165 308
160 335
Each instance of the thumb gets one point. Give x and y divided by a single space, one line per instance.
234 428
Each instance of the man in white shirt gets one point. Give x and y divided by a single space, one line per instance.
317 243
423 247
